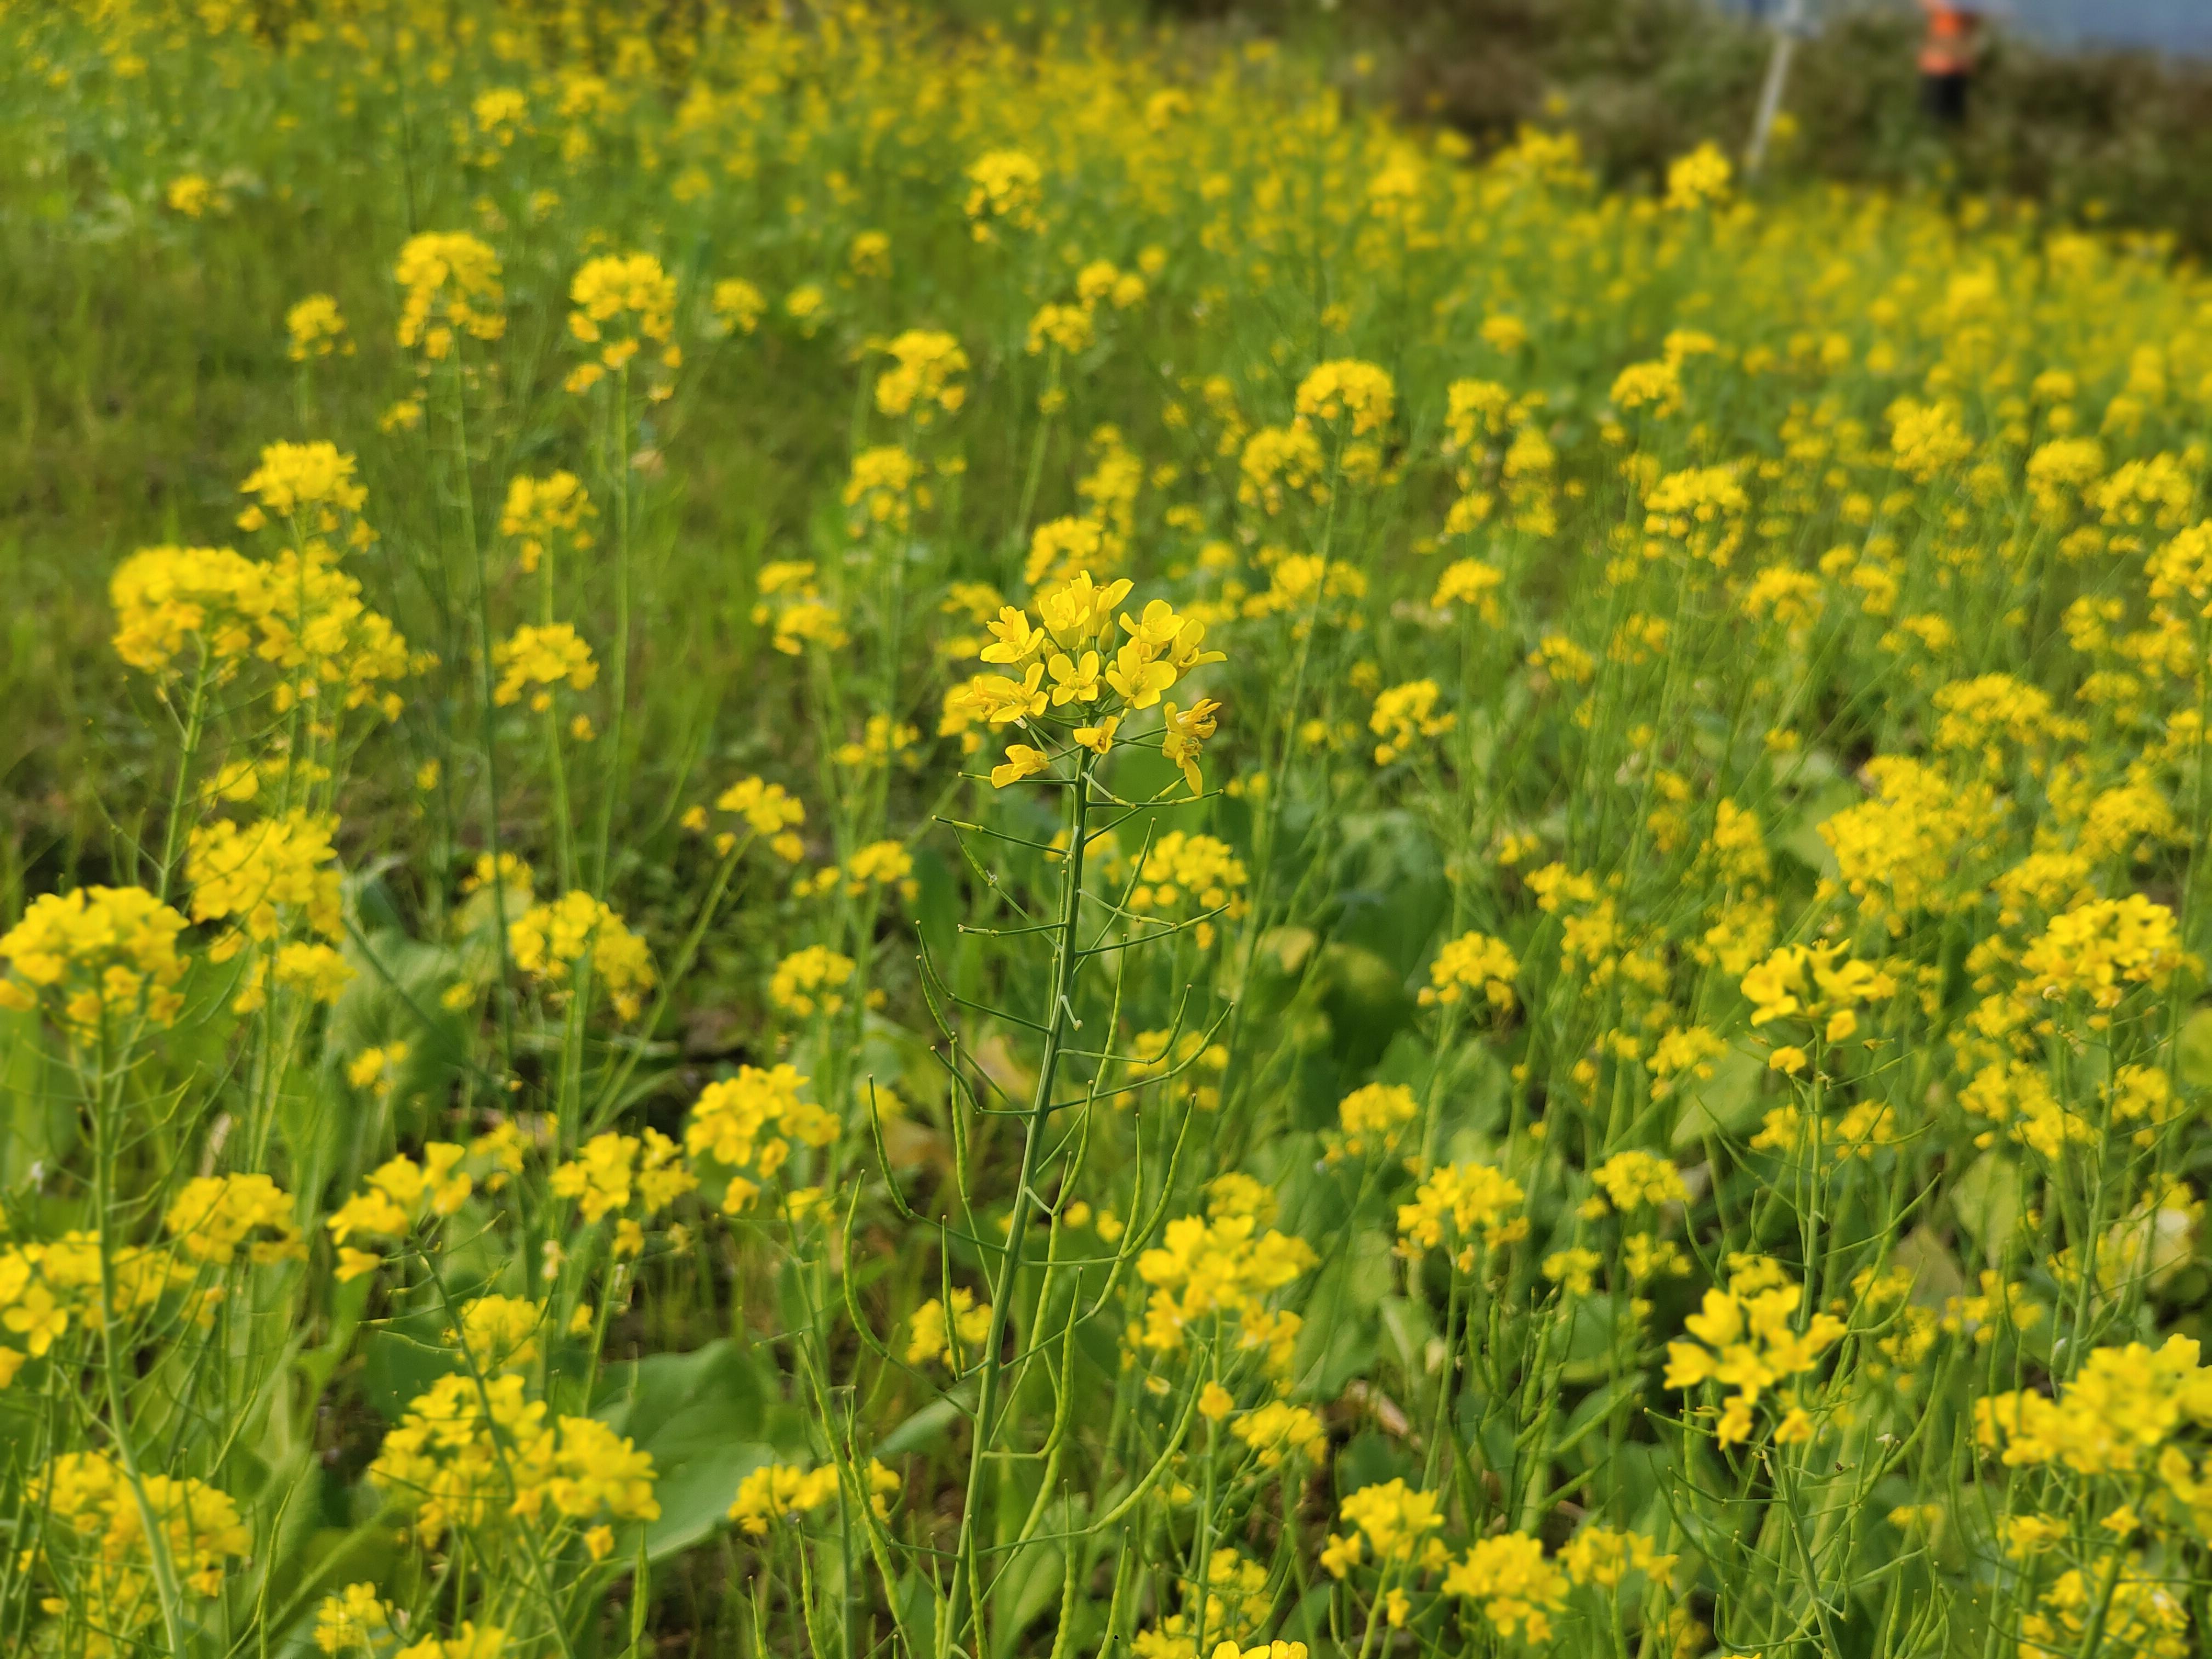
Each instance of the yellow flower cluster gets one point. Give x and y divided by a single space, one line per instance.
212 1216
745 1125
621 300
1277 1429
1236 1597
540 514
1388 1523
1698 179
1073 623
611 1170
403 1191
1404 714
1632 1179
883 491
498 1332
1277 466
1748 1341
1517 1587
469 1454
807 979
298 613
1473 583
271 876
355 1618
541 657
1348 389
361 1621
1476 1203
190 194
951 1334
1008 189
777 1492
781 1492
1855 1134
737 304
1520 1590
45 1287
311 484
2110 1417
1819 985
791 606
2099 950
396 1195
549 940
1898 853
1372 1118
1201 871
1223 1269
1472 962
768 811
924 375
95 955
95 1544
450 287
318 329
1605 1556
2114 1611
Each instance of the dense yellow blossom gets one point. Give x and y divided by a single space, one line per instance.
318 329
468 1455
450 283
951 1334
1388 1524
924 375
1226 1269
777 1492
96 954
96 1545
746 1124
1517 1587
1644 738
211 1216
550 941
1472 962
1749 1341
540 514
538 658
1458 1205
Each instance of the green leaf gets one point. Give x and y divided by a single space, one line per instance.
1802 841
709 1418
40 1126
2192 1050
1726 1104
1986 1202
1366 1001
1936 1274
926 1428
402 1357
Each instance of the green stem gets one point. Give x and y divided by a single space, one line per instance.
487 713
967 1574
618 687
107 1103
195 713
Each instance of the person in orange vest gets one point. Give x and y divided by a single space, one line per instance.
1947 60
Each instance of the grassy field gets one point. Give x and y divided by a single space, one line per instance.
829 837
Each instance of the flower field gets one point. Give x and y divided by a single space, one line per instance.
831 837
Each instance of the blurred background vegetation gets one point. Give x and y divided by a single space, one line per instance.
126 433
2116 137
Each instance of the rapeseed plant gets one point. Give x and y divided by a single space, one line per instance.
991 847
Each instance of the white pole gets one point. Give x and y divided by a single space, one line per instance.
1786 26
